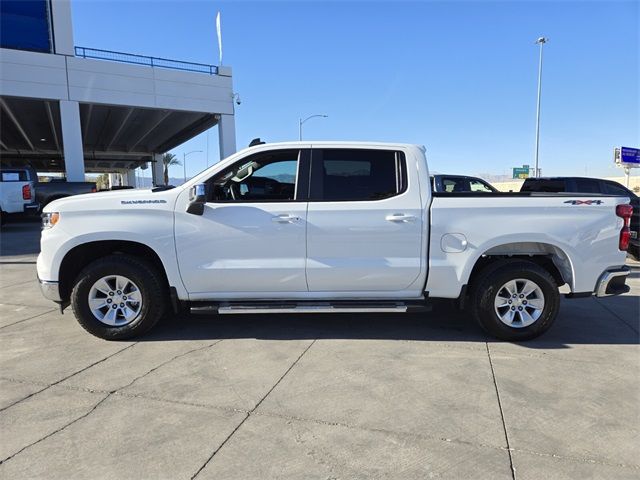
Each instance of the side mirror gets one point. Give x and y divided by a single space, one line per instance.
197 199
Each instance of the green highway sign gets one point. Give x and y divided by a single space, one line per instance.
521 172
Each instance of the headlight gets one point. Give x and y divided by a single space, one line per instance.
50 219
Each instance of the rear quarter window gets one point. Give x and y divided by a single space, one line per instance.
551 186
13 176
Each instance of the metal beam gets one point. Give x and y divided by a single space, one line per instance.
52 124
153 127
16 123
3 145
120 128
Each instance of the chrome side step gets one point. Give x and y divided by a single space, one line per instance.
230 310
305 307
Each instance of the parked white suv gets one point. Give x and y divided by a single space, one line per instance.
327 227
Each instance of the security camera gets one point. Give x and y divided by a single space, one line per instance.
236 96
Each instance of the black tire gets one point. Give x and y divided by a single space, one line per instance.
152 288
486 287
634 251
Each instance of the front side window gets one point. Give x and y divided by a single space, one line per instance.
478 186
269 176
356 174
455 184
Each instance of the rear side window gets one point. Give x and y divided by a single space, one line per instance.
615 189
584 185
552 186
356 174
14 176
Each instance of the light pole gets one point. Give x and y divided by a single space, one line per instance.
541 41
184 162
301 122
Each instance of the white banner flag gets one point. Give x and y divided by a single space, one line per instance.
219 32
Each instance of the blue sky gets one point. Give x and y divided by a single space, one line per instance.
457 77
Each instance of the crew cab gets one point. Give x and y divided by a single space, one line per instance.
327 227
17 194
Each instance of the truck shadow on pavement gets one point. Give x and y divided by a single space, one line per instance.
581 321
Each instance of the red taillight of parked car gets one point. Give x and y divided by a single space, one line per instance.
624 212
26 192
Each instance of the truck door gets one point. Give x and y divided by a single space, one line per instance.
252 234
364 221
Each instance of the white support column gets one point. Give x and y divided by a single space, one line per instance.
115 180
130 178
62 27
157 170
72 140
227 135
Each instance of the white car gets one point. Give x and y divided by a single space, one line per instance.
327 227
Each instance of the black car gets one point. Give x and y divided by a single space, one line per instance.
590 185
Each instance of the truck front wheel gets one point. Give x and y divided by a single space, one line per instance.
515 300
118 297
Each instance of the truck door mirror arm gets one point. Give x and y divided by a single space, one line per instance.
197 199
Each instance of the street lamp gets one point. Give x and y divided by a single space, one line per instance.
301 122
541 41
184 162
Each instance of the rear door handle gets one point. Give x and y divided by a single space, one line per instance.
400 218
285 218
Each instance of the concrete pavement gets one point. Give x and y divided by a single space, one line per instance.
289 396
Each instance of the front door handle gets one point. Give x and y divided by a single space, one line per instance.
285 218
400 218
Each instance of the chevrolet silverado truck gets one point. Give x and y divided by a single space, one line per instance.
328 227
17 194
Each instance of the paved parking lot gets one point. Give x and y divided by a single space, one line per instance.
326 397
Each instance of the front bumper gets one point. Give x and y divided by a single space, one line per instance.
50 290
612 282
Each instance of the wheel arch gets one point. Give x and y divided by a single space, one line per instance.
81 255
550 257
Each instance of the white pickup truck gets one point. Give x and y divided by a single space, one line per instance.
327 227
17 194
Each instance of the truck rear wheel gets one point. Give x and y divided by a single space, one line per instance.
118 297
515 300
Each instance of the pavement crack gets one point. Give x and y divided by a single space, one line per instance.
29 318
615 315
504 425
166 362
58 430
49 385
250 412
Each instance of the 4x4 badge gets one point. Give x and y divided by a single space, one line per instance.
585 202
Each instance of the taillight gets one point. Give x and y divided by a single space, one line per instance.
94 189
624 212
26 192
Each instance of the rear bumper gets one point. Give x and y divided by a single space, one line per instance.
612 282
32 208
50 290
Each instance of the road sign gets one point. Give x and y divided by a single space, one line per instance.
630 157
521 172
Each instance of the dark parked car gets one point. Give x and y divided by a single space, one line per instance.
460 183
47 192
590 185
